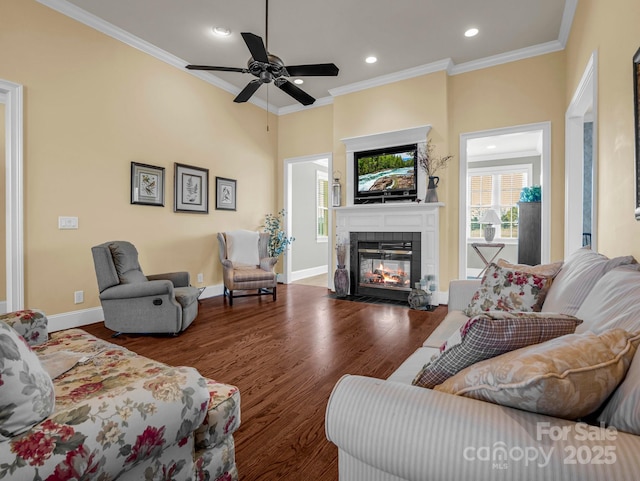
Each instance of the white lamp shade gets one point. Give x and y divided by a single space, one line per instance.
490 217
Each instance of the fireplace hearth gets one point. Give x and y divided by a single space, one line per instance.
385 265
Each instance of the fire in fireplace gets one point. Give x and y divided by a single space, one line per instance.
388 266
384 264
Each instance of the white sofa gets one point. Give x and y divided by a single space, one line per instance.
392 430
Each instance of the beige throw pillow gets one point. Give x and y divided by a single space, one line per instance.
568 377
489 335
548 270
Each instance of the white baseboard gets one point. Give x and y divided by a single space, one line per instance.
442 297
68 320
212 291
311 272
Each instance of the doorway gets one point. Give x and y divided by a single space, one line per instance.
11 97
309 213
502 161
581 134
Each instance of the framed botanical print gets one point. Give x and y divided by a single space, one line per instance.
225 194
147 184
191 189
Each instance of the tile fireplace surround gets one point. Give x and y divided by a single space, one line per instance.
396 217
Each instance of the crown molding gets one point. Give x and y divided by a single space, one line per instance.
513 56
86 18
82 16
393 77
451 68
567 21
289 109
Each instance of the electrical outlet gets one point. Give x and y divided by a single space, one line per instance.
67 222
78 297
200 277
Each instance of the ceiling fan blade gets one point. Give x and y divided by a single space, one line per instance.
248 91
314 70
220 69
256 47
297 93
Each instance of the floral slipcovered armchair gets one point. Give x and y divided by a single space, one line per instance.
116 414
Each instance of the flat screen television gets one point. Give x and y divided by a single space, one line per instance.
387 174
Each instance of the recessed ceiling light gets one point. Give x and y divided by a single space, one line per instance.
298 81
371 59
472 32
221 31
491 146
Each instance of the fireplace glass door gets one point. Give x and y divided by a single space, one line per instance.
385 265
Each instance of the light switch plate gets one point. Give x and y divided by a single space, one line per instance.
67 222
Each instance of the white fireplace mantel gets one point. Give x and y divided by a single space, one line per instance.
396 217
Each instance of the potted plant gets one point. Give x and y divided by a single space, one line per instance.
531 194
278 240
431 164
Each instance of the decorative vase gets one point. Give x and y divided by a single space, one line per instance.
419 299
341 281
432 193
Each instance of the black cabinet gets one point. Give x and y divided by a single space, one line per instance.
529 238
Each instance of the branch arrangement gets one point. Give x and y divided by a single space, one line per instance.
429 162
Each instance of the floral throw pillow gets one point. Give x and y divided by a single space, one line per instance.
492 334
509 290
26 390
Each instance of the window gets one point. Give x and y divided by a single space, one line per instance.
322 202
495 188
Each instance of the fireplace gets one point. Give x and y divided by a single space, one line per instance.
384 264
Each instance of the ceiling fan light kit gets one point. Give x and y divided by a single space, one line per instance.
270 68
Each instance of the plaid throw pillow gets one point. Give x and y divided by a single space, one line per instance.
509 290
491 334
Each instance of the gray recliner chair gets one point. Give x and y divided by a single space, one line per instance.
135 303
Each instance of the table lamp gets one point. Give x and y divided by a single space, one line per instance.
490 218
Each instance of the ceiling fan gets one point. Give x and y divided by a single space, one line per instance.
270 68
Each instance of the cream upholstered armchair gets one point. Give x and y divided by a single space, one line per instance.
246 264
135 303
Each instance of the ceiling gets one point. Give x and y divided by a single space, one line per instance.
409 37
517 144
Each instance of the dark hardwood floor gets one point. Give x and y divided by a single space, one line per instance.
285 357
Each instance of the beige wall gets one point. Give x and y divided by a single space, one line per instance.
516 93
611 29
307 132
401 105
92 106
